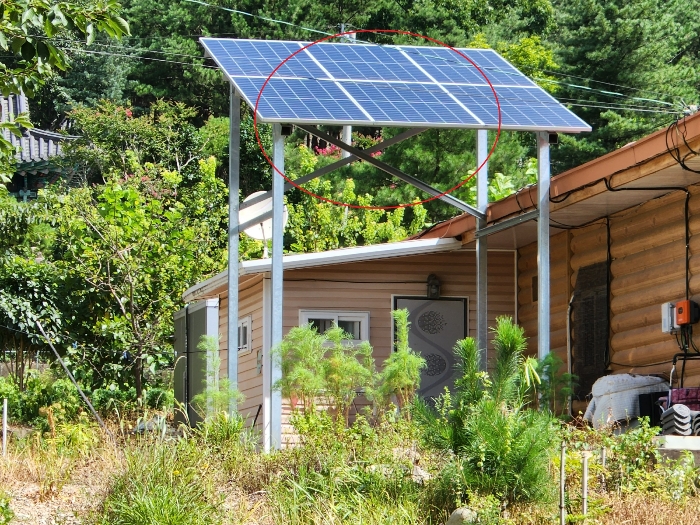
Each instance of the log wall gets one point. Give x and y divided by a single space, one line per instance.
647 265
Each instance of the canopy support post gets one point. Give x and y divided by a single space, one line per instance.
233 205
482 189
543 184
277 282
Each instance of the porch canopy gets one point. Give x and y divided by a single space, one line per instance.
364 84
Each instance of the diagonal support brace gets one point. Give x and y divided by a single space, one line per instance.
363 155
331 167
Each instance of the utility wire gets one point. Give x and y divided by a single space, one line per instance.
244 13
93 52
412 87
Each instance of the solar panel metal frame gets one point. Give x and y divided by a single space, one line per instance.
312 73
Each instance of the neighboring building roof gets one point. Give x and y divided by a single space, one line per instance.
587 192
339 256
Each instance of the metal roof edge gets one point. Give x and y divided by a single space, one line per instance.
628 156
327 258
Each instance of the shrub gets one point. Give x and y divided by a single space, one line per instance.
114 398
42 391
324 367
400 375
159 398
500 446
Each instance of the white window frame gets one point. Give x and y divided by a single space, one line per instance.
247 323
339 315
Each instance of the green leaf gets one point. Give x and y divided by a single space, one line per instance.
17 44
28 51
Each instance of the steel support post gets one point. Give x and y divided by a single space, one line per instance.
233 204
543 183
347 138
277 281
482 201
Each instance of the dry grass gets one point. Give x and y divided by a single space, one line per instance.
646 509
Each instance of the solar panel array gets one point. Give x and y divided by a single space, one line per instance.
377 85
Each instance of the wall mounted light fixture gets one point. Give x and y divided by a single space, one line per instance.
433 287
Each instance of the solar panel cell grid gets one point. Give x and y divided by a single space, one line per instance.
334 83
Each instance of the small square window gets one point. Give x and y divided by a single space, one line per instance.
356 324
244 335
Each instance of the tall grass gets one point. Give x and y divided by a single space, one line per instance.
164 483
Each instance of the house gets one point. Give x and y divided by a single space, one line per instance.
36 167
356 288
624 238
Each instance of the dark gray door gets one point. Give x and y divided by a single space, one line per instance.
436 325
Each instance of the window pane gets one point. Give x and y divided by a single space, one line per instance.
242 336
351 327
321 325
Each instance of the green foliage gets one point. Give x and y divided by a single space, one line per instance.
114 142
6 512
556 387
162 485
112 398
360 474
346 369
500 446
42 392
633 463
323 367
219 395
26 26
316 225
400 375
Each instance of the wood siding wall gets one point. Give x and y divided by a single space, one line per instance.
369 286
647 248
250 302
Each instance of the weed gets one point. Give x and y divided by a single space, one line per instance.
163 484
6 513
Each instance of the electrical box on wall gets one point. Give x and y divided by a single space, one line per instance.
687 312
668 318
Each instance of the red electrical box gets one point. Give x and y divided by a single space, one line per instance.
687 312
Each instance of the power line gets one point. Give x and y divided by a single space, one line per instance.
244 13
93 52
413 87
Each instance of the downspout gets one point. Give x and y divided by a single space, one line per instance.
568 352
187 363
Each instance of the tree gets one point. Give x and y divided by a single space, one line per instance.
630 65
26 30
315 225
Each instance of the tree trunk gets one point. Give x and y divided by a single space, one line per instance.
138 374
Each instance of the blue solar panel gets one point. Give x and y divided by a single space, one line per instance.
448 66
258 58
367 84
363 62
402 103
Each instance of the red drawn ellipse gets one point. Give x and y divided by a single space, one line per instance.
404 205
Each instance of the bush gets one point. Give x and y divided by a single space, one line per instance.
400 375
42 392
159 398
113 398
500 446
